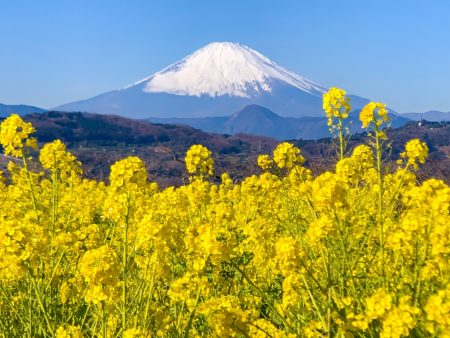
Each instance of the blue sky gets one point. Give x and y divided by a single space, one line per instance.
397 52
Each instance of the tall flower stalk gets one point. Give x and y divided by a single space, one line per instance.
337 106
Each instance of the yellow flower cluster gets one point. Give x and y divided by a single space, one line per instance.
54 157
198 161
361 250
400 320
438 313
130 171
287 156
136 333
286 159
100 269
415 152
336 104
374 112
14 135
358 166
264 161
69 332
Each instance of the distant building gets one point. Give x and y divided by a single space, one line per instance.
421 120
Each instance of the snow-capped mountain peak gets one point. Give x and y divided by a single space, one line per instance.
216 80
225 68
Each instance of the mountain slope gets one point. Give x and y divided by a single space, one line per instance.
258 120
21 109
211 82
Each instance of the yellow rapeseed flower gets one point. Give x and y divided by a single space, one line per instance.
373 112
14 135
336 104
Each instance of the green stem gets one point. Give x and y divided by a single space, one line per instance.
311 296
380 179
40 302
33 196
54 194
379 151
262 294
103 320
341 139
54 270
125 267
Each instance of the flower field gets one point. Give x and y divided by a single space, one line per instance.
360 251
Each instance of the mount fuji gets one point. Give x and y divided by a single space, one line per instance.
216 80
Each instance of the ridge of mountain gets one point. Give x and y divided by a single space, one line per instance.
20 109
432 115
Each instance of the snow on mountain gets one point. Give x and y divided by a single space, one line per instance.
217 79
225 68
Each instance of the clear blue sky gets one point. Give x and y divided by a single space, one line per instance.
395 51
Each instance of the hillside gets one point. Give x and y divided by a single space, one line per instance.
100 140
321 152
